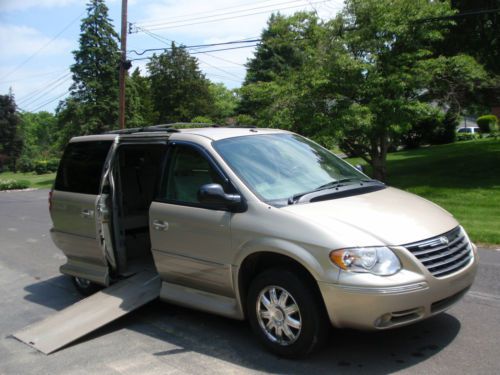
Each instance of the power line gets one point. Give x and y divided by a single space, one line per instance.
151 25
194 46
43 88
42 47
238 16
42 93
26 78
145 23
166 40
50 101
458 15
199 52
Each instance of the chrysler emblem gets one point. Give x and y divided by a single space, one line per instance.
444 240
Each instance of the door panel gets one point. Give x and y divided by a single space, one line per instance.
192 245
74 220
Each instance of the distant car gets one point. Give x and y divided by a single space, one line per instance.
470 132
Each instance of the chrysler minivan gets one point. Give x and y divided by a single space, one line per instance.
257 224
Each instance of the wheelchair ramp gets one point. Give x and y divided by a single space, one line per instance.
91 313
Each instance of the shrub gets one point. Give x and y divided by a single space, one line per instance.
202 120
52 165
467 136
25 164
43 166
487 123
244 120
13 184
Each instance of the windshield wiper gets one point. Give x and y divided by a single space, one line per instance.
329 185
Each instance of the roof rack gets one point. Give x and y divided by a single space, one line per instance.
174 127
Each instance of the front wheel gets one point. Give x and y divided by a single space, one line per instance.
286 313
85 287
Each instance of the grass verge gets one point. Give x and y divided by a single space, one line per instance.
34 180
462 177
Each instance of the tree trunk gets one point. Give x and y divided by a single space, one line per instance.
379 166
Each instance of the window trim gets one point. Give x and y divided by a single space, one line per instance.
166 168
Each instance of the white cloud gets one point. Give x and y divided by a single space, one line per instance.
15 5
18 41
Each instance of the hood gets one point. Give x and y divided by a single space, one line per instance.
389 216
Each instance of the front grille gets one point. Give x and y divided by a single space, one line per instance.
444 254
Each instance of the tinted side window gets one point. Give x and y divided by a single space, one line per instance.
81 167
187 171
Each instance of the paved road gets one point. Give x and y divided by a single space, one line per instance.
164 339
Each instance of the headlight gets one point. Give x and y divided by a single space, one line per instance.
377 260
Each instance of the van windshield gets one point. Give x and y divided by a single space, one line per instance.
278 167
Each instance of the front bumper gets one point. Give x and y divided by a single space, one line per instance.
386 306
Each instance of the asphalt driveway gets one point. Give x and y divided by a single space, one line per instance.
164 339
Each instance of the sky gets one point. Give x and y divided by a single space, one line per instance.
37 38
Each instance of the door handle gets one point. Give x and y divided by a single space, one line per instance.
87 214
160 224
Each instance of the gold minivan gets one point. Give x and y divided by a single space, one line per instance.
257 224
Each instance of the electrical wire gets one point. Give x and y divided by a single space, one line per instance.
150 25
26 78
42 47
207 14
235 17
41 90
50 101
198 52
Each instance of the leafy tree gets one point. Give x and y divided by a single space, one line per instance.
225 102
39 134
381 67
476 33
92 106
139 106
179 89
287 44
10 139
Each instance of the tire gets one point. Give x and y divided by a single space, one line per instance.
300 315
85 287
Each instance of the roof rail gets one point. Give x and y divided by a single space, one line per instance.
171 128
174 127
155 128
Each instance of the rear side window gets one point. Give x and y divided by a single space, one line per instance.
81 167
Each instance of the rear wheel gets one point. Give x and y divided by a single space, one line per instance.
286 313
84 286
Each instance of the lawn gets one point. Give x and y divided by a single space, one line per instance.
35 180
463 178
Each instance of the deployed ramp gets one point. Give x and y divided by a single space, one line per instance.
91 313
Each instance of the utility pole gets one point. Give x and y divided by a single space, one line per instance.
123 67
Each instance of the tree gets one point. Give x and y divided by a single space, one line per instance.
39 134
475 32
225 102
10 140
370 83
140 106
92 106
287 43
179 89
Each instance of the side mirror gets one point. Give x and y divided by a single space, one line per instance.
360 168
214 195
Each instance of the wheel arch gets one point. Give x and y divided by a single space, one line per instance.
260 260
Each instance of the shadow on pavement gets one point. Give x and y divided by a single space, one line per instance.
347 351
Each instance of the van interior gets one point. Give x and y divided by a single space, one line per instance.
136 174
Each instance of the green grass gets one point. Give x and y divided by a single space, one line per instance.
463 178
35 180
